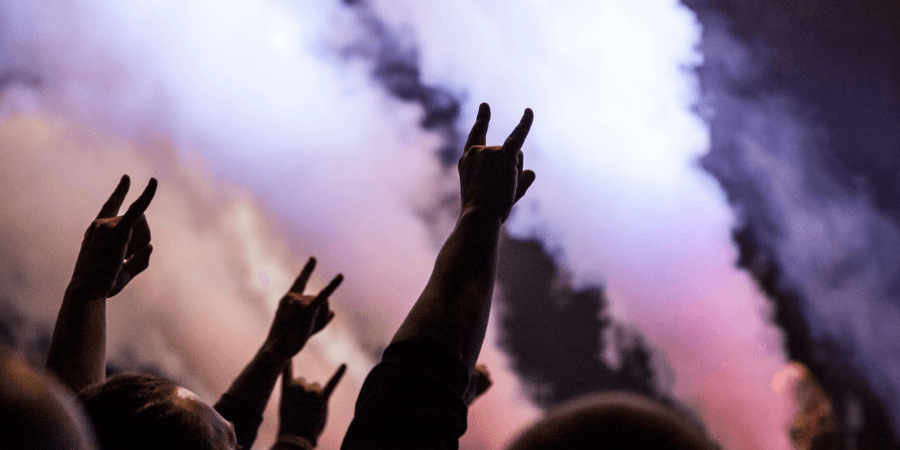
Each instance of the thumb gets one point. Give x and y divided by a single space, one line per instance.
525 180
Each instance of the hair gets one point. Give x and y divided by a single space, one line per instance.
36 412
613 421
144 412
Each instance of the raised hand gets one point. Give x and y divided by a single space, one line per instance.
300 316
445 329
479 383
304 406
491 177
115 248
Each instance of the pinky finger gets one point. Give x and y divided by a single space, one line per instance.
335 379
325 293
139 206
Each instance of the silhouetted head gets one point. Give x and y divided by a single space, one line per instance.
613 421
146 412
36 412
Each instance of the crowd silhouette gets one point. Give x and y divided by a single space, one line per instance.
416 397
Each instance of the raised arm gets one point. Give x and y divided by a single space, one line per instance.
453 310
115 249
298 317
416 396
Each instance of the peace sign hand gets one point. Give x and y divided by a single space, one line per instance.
304 406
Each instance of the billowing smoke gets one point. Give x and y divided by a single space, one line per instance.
805 130
527 274
396 67
282 130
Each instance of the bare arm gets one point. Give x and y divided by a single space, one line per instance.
298 317
415 397
454 308
115 249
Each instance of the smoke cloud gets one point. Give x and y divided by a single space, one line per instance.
280 130
805 128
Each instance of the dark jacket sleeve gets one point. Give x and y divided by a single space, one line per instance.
413 399
246 421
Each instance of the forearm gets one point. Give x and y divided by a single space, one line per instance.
255 383
454 308
77 353
252 388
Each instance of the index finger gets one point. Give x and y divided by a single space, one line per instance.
300 284
112 205
478 135
139 206
332 383
515 140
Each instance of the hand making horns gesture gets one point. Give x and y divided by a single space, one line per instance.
300 316
115 248
491 177
304 406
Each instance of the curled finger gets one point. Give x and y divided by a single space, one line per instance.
140 237
322 320
138 262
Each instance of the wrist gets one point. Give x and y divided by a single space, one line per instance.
481 216
83 292
305 429
295 441
274 352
